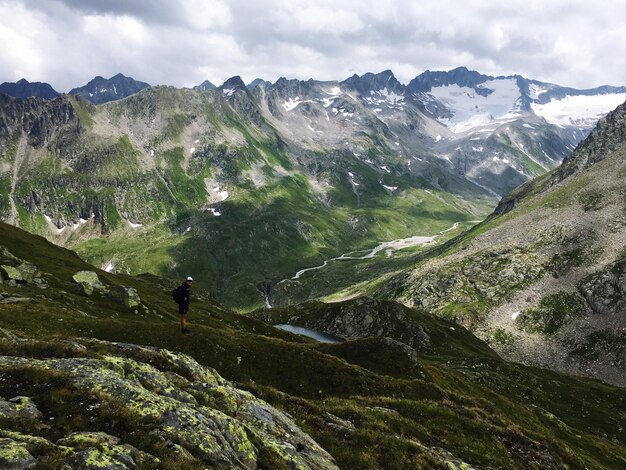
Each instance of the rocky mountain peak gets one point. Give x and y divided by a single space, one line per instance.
460 76
24 89
608 136
370 82
204 86
256 82
232 85
101 90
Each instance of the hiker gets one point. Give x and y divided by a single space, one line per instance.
182 296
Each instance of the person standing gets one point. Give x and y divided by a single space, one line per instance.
182 296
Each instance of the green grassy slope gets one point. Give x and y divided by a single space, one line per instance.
482 410
289 206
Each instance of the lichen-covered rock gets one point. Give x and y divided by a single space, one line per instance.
14 455
19 407
22 273
10 273
101 450
183 405
127 296
88 282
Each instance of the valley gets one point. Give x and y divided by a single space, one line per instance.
240 185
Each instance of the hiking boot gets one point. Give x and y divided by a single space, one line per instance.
186 331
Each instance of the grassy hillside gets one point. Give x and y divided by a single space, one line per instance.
370 403
542 278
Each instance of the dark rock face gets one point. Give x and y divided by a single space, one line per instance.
24 89
374 82
38 119
102 90
460 76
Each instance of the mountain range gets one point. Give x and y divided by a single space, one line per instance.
246 184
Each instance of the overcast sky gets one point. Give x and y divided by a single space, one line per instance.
183 42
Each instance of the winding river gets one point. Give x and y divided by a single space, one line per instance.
388 247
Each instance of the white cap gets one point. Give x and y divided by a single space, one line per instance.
189 278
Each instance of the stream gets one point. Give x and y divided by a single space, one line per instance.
388 247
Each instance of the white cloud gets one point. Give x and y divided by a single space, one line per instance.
182 42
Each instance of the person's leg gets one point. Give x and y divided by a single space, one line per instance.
183 322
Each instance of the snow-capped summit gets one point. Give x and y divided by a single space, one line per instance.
464 99
101 90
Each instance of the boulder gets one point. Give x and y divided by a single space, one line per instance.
10 273
127 296
14 455
88 282
19 407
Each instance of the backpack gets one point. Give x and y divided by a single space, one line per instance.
177 294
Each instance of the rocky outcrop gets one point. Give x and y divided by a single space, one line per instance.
472 285
14 271
177 403
605 291
88 282
126 296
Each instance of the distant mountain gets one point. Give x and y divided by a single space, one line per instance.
256 82
25 89
101 90
232 85
371 83
204 86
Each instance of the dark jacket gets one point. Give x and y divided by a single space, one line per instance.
185 298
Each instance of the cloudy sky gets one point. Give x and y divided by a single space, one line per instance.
183 42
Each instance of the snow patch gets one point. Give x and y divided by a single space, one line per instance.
229 91
471 110
109 267
192 150
515 315
133 225
579 111
213 211
390 188
292 103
